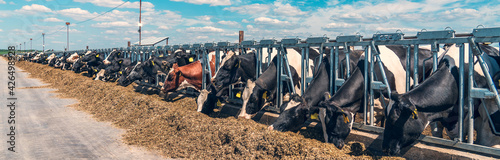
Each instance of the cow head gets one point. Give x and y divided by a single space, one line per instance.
173 79
207 100
402 125
115 54
335 121
77 66
254 98
92 57
131 75
293 115
229 66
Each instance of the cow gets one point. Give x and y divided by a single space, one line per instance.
436 99
92 61
229 74
295 112
226 75
294 60
61 62
338 116
154 65
115 54
263 90
114 67
51 60
188 76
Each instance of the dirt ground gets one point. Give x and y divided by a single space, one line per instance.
175 130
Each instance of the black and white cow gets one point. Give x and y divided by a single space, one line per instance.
263 90
93 62
436 99
295 112
341 108
148 70
230 72
252 102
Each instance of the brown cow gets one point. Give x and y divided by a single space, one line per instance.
186 76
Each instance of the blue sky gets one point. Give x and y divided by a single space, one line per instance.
200 21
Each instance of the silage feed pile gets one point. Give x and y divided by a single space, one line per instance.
176 130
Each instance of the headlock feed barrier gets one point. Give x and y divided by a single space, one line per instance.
370 46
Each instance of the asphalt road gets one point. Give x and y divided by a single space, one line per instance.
45 128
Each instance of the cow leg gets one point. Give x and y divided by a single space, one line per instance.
436 129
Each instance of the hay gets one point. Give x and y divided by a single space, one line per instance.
176 130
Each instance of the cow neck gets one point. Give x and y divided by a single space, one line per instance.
316 88
350 93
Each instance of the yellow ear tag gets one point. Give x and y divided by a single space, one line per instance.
329 96
414 114
95 70
238 95
346 120
264 95
153 63
499 82
119 61
120 72
118 53
314 116
219 103
191 59
97 55
161 55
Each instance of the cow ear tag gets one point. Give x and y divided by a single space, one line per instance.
264 95
499 83
97 56
314 116
219 103
191 59
238 95
161 55
153 63
346 120
120 72
119 61
414 114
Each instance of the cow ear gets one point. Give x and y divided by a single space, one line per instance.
327 96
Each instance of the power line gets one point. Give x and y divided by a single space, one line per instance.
102 13
85 20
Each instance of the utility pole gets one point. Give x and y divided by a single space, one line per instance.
31 44
24 46
43 37
140 22
67 28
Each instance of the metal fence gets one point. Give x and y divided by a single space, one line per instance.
370 46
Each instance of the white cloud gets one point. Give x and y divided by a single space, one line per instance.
252 9
164 27
337 26
52 20
206 29
34 9
229 23
270 23
77 14
211 2
460 14
2 2
287 10
113 24
1 30
12 3
201 37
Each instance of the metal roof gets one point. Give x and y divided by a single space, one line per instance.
150 41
